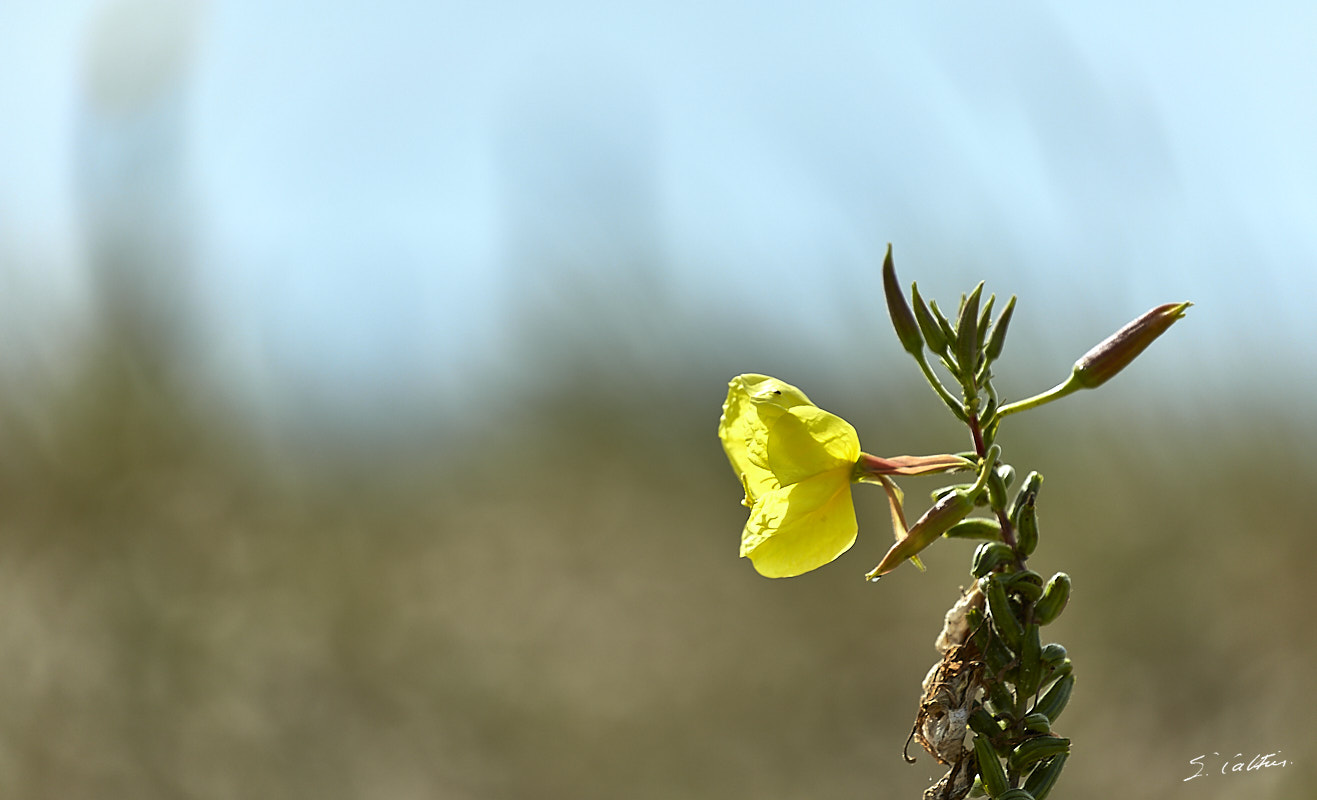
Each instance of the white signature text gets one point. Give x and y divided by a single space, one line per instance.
1206 764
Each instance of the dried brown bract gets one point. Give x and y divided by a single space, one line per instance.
951 690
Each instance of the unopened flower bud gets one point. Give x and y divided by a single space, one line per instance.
903 319
998 336
952 508
1098 365
967 334
933 333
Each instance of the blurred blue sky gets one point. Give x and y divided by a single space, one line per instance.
377 197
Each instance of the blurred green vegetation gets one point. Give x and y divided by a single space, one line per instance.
552 606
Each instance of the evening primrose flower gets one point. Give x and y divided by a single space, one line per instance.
796 463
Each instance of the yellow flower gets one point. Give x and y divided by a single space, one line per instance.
795 461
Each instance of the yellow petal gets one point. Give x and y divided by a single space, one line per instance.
807 440
801 527
753 404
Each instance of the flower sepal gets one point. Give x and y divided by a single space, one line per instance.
951 508
871 466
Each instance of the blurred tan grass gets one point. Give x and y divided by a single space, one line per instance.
554 609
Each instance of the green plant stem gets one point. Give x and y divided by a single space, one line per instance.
952 403
1058 391
1007 530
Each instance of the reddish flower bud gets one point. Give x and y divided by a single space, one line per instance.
952 508
1098 365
